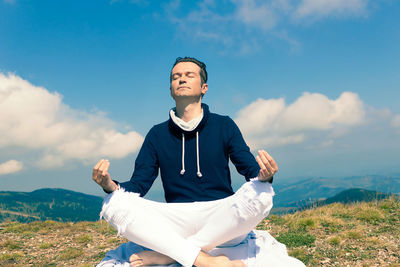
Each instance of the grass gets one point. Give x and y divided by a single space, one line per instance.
46 245
70 253
12 245
334 240
84 239
359 234
296 239
52 243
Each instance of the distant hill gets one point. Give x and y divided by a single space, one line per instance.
309 190
353 195
49 204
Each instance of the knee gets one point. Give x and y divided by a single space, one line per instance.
254 199
118 210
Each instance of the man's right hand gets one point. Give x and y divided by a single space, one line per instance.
101 176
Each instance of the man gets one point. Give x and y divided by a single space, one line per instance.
192 151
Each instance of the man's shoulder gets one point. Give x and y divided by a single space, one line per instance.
160 125
219 118
158 128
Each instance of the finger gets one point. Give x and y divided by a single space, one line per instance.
271 160
96 168
107 165
97 164
263 170
103 168
265 161
267 173
260 163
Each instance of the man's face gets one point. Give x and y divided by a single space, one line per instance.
186 81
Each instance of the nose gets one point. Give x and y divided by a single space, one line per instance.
182 80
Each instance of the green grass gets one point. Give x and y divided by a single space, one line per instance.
46 245
334 240
354 235
371 215
11 257
70 253
12 245
301 254
296 239
84 239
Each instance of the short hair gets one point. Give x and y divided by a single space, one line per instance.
203 71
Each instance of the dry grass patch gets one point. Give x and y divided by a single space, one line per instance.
70 253
46 245
334 240
84 239
56 244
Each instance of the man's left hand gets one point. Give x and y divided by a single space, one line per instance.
268 166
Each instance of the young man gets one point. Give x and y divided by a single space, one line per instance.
192 151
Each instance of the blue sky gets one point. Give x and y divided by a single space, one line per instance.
314 82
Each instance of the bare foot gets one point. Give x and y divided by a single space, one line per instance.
146 258
205 260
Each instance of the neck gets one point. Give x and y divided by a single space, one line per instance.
188 111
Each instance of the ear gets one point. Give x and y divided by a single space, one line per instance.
204 88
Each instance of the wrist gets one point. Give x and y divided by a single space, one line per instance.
263 179
113 186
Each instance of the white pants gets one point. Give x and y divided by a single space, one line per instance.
181 230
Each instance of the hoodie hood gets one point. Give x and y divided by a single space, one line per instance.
178 131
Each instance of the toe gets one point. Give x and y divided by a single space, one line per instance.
134 257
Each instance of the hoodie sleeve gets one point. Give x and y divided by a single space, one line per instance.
239 152
146 167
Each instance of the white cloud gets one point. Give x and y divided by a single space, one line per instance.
316 111
10 166
241 26
259 15
273 123
38 121
324 8
396 121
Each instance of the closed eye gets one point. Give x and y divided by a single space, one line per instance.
176 76
191 74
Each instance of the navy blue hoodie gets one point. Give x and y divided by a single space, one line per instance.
219 140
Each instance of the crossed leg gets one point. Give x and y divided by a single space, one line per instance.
177 231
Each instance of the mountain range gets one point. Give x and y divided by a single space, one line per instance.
308 190
49 204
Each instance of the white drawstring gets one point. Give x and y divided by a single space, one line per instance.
197 151
183 154
198 158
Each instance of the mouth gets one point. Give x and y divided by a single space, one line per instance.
183 87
